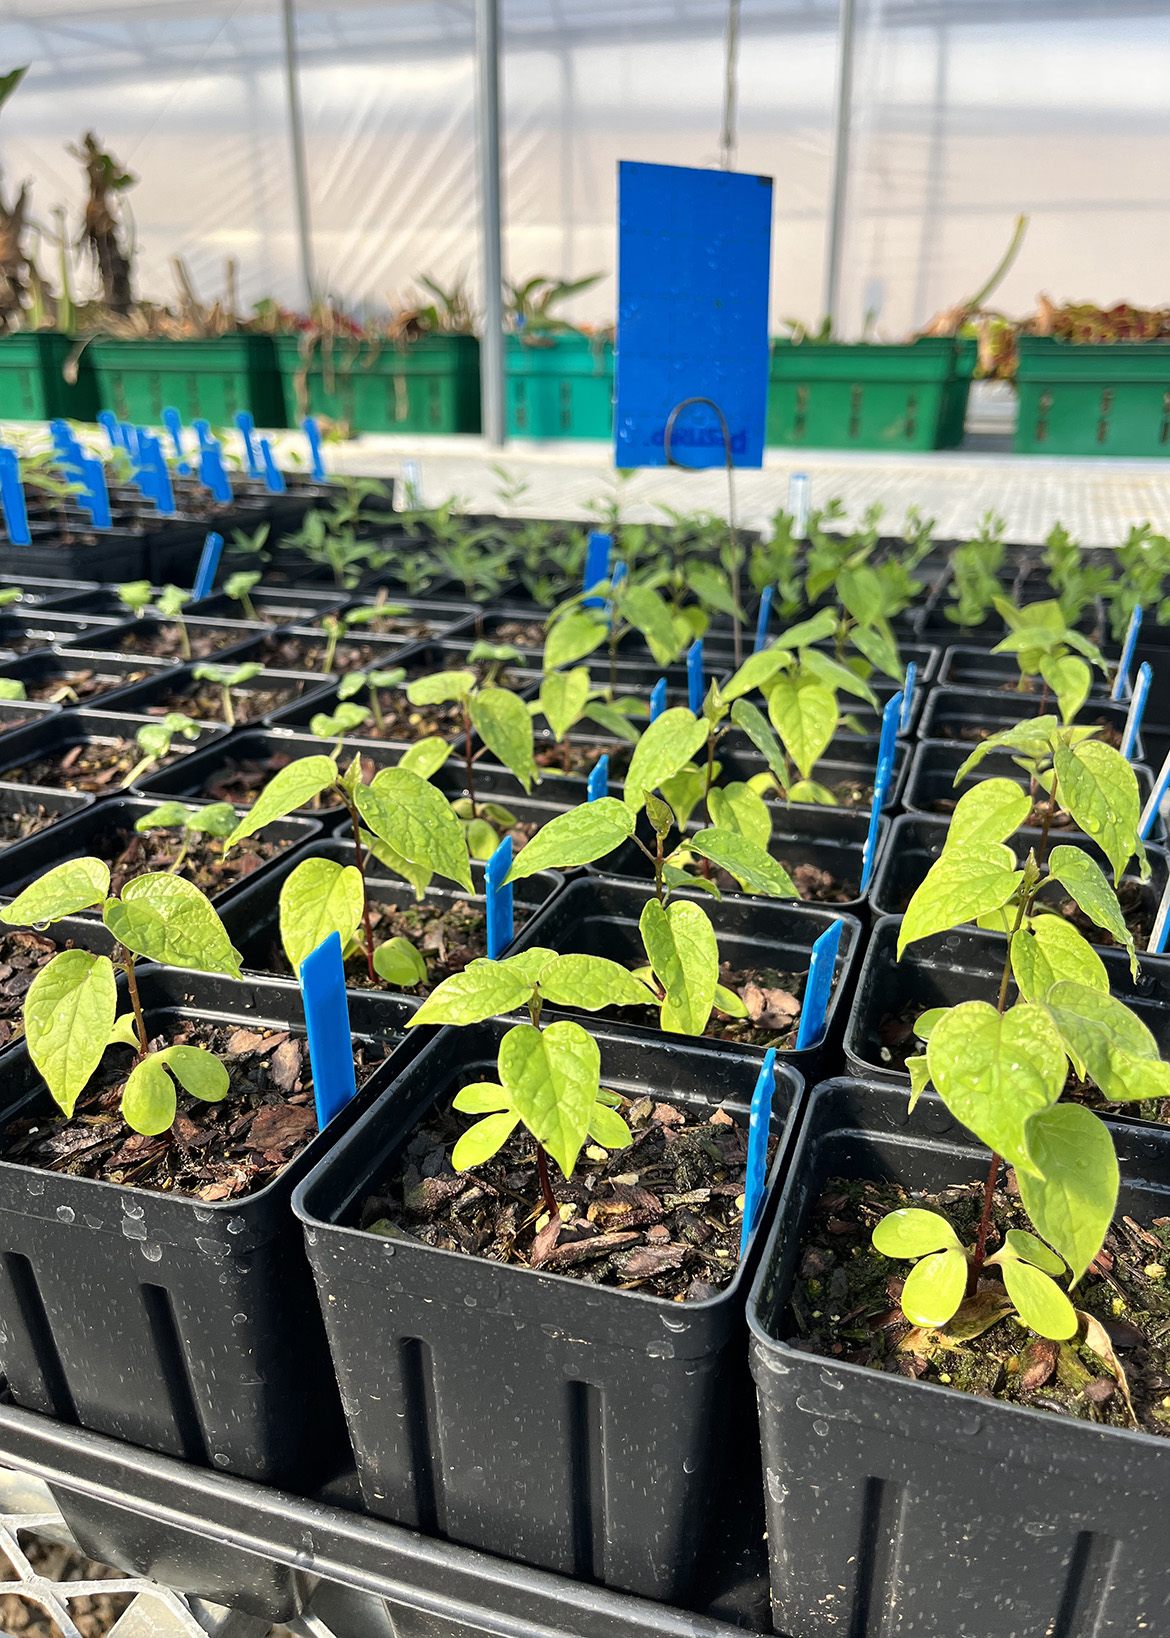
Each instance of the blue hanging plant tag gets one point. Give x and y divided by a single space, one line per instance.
330 1038
213 473
1157 797
908 697
658 699
1137 709
695 676
596 566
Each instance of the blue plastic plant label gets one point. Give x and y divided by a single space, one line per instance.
694 256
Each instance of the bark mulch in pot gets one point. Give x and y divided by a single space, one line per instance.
14 827
166 643
662 1216
772 999
131 853
579 758
213 1151
204 702
90 765
73 685
289 651
844 1304
22 955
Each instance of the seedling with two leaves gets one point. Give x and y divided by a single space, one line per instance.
227 677
1001 1070
71 1008
216 820
154 741
397 817
1045 647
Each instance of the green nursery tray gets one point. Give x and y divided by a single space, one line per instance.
831 395
213 379
1109 398
430 385
32 379
560 387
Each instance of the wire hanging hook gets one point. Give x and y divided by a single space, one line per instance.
727 453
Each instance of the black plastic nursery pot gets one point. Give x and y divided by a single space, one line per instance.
175 545
62 673
252 915
23 713
235 767
811 842
273 605
106 829
92 554
31 629
965 964
847 767
33 756
24 812
902 1506
971 715
216 640
303 648
598 915
572 1426
40 594
916 841
967 668
182 1325
252 701
931 788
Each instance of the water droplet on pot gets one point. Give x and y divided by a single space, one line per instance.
66 1213
219 1458
36 1185
690 1465
238 1319
821 1428
152 1251
236 1225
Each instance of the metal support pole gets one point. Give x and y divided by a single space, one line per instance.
727 141
843 121
491 350
296 135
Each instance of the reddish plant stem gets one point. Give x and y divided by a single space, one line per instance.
980 1251
550 1199
135 1001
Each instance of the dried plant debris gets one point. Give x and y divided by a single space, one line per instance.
663 1216
1116 1370
213 1151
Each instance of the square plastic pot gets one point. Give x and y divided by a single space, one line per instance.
53 668
54 805
181 1325
148 696
112 823
567 1425
274 605
123 636
848 760
68 728
966 667
930 783
32 629
896 1506
16 714
84 554
970 714
830 839
598 915
259 748
252 915
917 841
967 965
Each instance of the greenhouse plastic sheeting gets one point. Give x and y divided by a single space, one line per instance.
965 112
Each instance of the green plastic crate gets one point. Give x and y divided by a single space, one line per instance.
213 379
431 385
832 395
32 381
562 390
1109 398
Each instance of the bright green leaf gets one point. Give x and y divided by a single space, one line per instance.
416 820
399 963
1110 1042
608 1128
319 897
805 718
426 756
989 812
551 1077
291 788
934 1287
666 746
573 637
1072 1200
1040 1301
481 1141
485 989
592 982
1100 789
501 720
164 918
1050 951
681 947
68 1017
78 884
440 687
1089 887
583 834
563 697
751 866
148 1101
963 882
197 1071
912 1232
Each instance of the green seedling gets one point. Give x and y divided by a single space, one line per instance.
568 698
136 595
239 588
11 688
71 1008
1001 1070
354 681
154 741
335 546
1078 584
1044 646
171 602
397 817
974 569
249 544
9 595
218 820
335 626
499 717
227 677
1144 561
